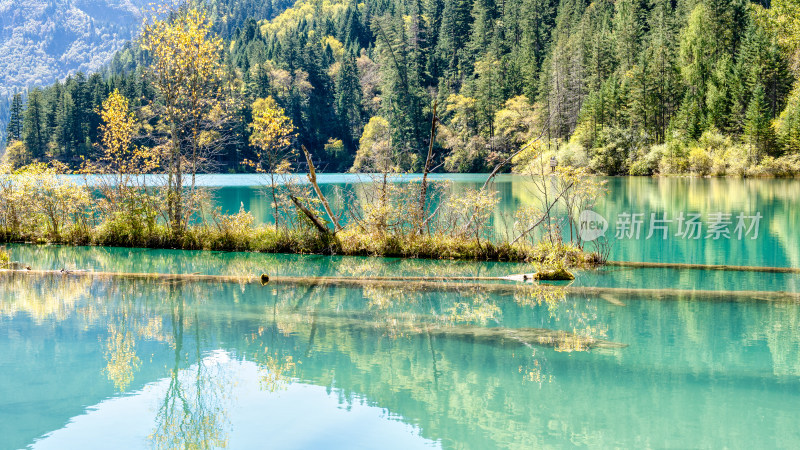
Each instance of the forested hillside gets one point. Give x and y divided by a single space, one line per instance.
625 86
42 41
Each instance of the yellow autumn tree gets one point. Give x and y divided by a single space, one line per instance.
186 70
120 157
124 196
271 134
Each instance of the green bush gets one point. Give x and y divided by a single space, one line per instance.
700 161
616 150
674 159
572 154
783 166
647 163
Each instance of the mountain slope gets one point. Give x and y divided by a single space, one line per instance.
43 40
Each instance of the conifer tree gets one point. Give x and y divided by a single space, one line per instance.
758 129
348 99
14 129
33 132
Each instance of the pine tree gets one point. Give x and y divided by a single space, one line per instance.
348 100
353 33
453 37
697 50
758 129
761 61
788 125
488 89
432 13
664 71
14 129
33 126
728 21
537 20
482 30
402 94
628 30
563 84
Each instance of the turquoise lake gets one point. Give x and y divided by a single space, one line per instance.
777 202
120 363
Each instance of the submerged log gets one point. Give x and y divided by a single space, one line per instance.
611 299
655 265
457 284
502 336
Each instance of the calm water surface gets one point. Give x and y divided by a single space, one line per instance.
134 364
777 233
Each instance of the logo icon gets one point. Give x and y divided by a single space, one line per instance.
592 225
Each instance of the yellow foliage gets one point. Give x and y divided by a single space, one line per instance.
272 131
16 155
121 359
336 46
183 51
120 155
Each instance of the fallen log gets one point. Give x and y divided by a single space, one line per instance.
611 299
457 284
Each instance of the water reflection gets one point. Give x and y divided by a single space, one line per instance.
466 368
192 413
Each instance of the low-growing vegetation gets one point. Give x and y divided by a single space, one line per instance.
39 205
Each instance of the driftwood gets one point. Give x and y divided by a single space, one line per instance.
456 284
655 265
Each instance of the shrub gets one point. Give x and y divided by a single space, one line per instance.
5 258
674 158
699 161
647 163
615 152
731 161
783 166
572 154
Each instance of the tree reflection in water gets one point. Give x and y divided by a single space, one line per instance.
363 340
193 414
